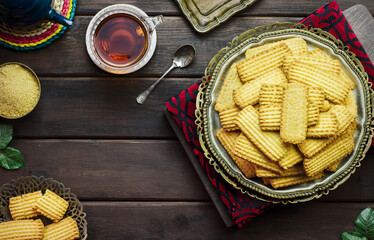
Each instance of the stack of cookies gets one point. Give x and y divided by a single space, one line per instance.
31 205
287 113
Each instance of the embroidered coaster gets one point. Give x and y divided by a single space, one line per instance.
38 36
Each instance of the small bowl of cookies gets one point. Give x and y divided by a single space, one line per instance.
285 115
40 208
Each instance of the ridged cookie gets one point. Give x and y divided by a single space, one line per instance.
225 98
228 141
294 117
268 142
263 62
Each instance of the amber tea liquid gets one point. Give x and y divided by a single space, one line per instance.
120 40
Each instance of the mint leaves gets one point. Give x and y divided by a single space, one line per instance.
6 135
365 223
364 227
352 236
10 158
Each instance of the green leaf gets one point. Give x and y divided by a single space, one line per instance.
11 158
353 236
6 134
365 223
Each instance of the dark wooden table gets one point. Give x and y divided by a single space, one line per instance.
124 161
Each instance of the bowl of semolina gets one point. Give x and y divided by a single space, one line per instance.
19 90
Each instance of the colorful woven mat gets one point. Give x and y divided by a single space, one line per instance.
35 37
241 207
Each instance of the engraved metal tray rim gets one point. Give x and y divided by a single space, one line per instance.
204 100
215 21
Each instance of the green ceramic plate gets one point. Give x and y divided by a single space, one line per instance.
208 119
205 15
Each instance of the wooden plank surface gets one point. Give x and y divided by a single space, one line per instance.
203 176
200 221
70 57
122 159
140 169
116 169
260 8
99 108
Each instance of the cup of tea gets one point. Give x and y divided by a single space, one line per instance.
121 38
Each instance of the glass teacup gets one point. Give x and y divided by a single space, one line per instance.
121 38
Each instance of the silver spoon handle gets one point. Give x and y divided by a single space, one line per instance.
143 96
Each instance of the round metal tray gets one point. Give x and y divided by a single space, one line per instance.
208 119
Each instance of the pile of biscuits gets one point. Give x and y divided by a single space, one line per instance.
31 205
287 113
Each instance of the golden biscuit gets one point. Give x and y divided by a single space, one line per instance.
249 93
245 149
228 117
291 158
288 181
327 126
51 206
316 98
251 52
21 230
318 53
335 90
350 103
269 117
313 113
271 97
263 62
344 115
325 64
21 207
294 117
347 80
66 229
287 61
311 146
297 170
268 142
228 140
296 45
271 94
333 167
326 106
334 152
16 208
265 173
225 99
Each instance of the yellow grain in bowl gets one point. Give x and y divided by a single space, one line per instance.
19 90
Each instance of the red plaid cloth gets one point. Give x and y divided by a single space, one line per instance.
241 207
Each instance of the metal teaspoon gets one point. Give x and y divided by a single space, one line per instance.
182 57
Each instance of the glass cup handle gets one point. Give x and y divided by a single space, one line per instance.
156 21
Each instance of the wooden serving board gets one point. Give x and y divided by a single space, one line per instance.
362 23
202 175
